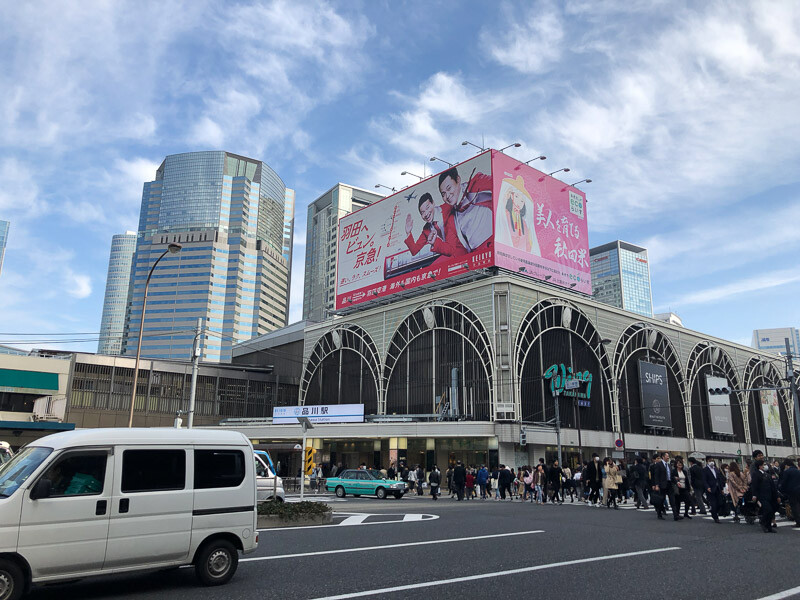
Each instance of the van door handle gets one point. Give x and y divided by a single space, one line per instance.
124 505
100 509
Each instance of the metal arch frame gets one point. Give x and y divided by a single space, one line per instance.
467 317
772 378
661 347
696 363
530 323
325 346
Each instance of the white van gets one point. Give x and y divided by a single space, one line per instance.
270 486
102 501
5 452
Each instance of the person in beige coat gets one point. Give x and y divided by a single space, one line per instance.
737 486
611 483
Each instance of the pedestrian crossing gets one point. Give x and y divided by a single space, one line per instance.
780 522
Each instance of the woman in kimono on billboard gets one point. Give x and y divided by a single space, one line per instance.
515 217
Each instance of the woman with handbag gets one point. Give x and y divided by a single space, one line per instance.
681 485
610 485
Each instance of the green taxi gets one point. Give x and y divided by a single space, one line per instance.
364 482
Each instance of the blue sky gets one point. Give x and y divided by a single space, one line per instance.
684 115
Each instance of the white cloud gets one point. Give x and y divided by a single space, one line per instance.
736 288
710 244
19 192
310 55
530 42
77 285
89 72
677 116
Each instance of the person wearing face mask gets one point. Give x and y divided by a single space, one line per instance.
713 482
764 492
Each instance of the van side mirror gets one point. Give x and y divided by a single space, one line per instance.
41 489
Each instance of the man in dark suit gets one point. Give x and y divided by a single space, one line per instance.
459 479
790 485
696 475
763 490
661 483
713 483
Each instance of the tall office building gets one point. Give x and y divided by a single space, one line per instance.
4 225
227 212
774 340
319 293
621 277
115 302
288 238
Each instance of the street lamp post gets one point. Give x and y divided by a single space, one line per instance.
171 249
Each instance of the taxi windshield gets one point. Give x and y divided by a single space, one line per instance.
16 471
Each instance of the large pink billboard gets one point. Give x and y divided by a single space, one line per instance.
488 211
540 225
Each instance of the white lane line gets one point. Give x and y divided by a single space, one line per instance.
423 584
783 594
425 518
415 517
367 548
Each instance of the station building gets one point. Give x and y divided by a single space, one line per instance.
474 364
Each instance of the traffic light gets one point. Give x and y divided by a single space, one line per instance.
523 437
309 460
723 391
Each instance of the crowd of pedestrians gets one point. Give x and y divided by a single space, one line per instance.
668 484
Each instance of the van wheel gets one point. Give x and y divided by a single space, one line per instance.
12 581
380 493
216 562
340 491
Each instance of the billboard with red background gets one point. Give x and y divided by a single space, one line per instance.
449 224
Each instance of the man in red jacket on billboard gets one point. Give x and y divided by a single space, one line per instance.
439 234
469 205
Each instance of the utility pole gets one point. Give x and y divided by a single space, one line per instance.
197 350
793 388
305 423
558 424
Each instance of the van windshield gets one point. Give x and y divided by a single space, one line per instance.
14 473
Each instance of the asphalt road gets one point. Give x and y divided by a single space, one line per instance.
451 549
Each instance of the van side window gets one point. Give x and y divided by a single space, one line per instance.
218 468
260 470
80 474
153 470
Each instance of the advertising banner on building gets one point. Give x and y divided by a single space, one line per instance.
655 395
771 414
428 232
333 413
491 210
719 406
540 225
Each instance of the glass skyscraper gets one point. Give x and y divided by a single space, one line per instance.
319 293
621 277
4 225
228 213
115 302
